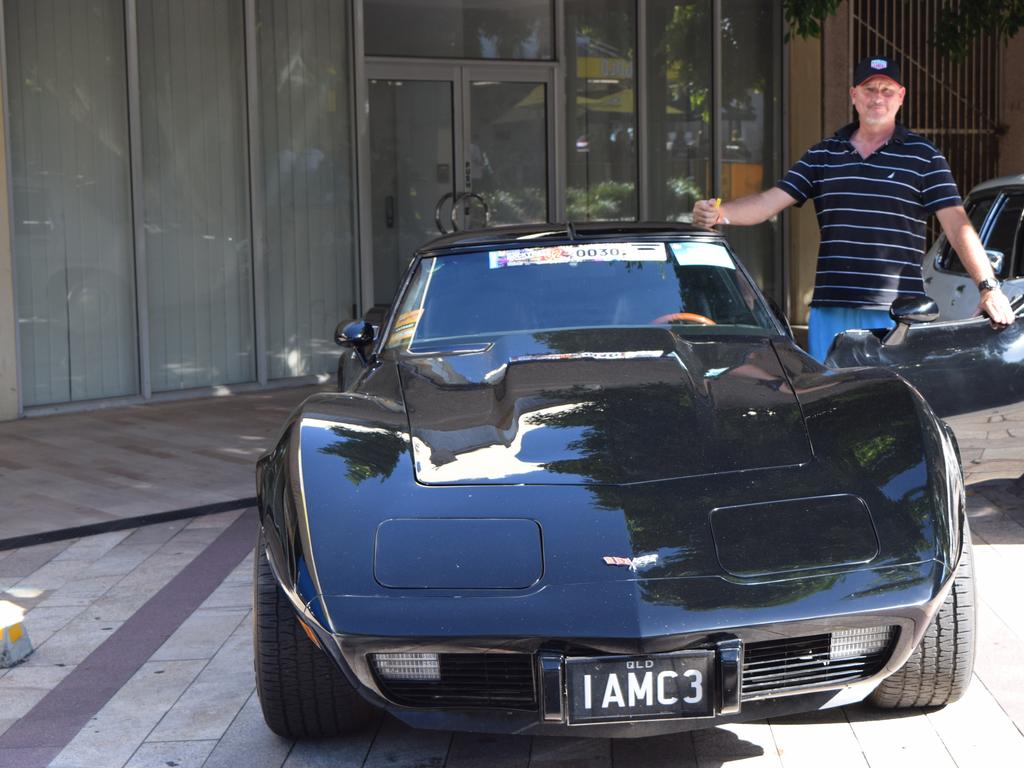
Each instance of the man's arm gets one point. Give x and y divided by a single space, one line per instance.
965 242
751 209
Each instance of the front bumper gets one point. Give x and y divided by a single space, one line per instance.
905 597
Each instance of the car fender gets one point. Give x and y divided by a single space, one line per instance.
362 423
873 429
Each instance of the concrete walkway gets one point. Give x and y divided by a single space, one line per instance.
118 464
190 701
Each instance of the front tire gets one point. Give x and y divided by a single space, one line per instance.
939 670
302 692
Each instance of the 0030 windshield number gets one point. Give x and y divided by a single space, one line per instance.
598 253
642 688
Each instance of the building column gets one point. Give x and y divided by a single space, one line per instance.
805 121
837 68
8 317
819 104
1011 143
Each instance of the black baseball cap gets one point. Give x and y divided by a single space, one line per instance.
876 65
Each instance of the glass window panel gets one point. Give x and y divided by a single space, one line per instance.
459 29
601 89
71 202
411 169
508 162
1004 231
977 210
195 188
309 228
679 106
751 47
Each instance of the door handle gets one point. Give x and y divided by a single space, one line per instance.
389 211
437 213
467 197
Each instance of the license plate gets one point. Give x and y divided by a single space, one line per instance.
624 688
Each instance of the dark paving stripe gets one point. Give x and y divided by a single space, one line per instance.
31 539
36 739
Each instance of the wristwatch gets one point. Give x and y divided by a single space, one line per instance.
988 285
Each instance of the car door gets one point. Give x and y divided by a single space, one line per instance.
958 365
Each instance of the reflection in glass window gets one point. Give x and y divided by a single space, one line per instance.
601 116
305 120
750 38
71 199
1005 232
410 172
195 174
459 29
679 105
977 210
508 165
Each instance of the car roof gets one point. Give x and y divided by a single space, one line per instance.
1002 181
522 235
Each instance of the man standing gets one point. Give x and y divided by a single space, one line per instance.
873 184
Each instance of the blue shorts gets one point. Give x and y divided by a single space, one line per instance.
826 322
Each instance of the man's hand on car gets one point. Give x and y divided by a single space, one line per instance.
996 307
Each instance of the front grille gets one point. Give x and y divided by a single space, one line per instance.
793 664
496 680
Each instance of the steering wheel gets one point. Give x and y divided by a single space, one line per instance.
692 317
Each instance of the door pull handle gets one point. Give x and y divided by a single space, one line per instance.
437 213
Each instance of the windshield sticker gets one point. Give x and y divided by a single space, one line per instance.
576 254
701 255
404 328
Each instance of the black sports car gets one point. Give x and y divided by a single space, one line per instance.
581 480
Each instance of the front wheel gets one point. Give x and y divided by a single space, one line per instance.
939 670
302 692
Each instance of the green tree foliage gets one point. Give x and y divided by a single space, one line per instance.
960 25
957 26
805 17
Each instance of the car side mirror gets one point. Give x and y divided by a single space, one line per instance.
908 310
357 334
914 309
997 259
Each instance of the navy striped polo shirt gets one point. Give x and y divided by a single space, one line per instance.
872 214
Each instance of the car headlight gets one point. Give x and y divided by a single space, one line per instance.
851 643
407 666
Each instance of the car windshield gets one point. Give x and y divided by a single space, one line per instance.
693 286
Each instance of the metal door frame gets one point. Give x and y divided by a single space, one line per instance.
461 73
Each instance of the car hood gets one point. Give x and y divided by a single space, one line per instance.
600 406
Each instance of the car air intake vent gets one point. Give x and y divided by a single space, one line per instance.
788 666
496 680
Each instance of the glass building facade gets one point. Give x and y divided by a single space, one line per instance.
201 191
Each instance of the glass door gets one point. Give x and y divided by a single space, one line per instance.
506 119
412 166
452 147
